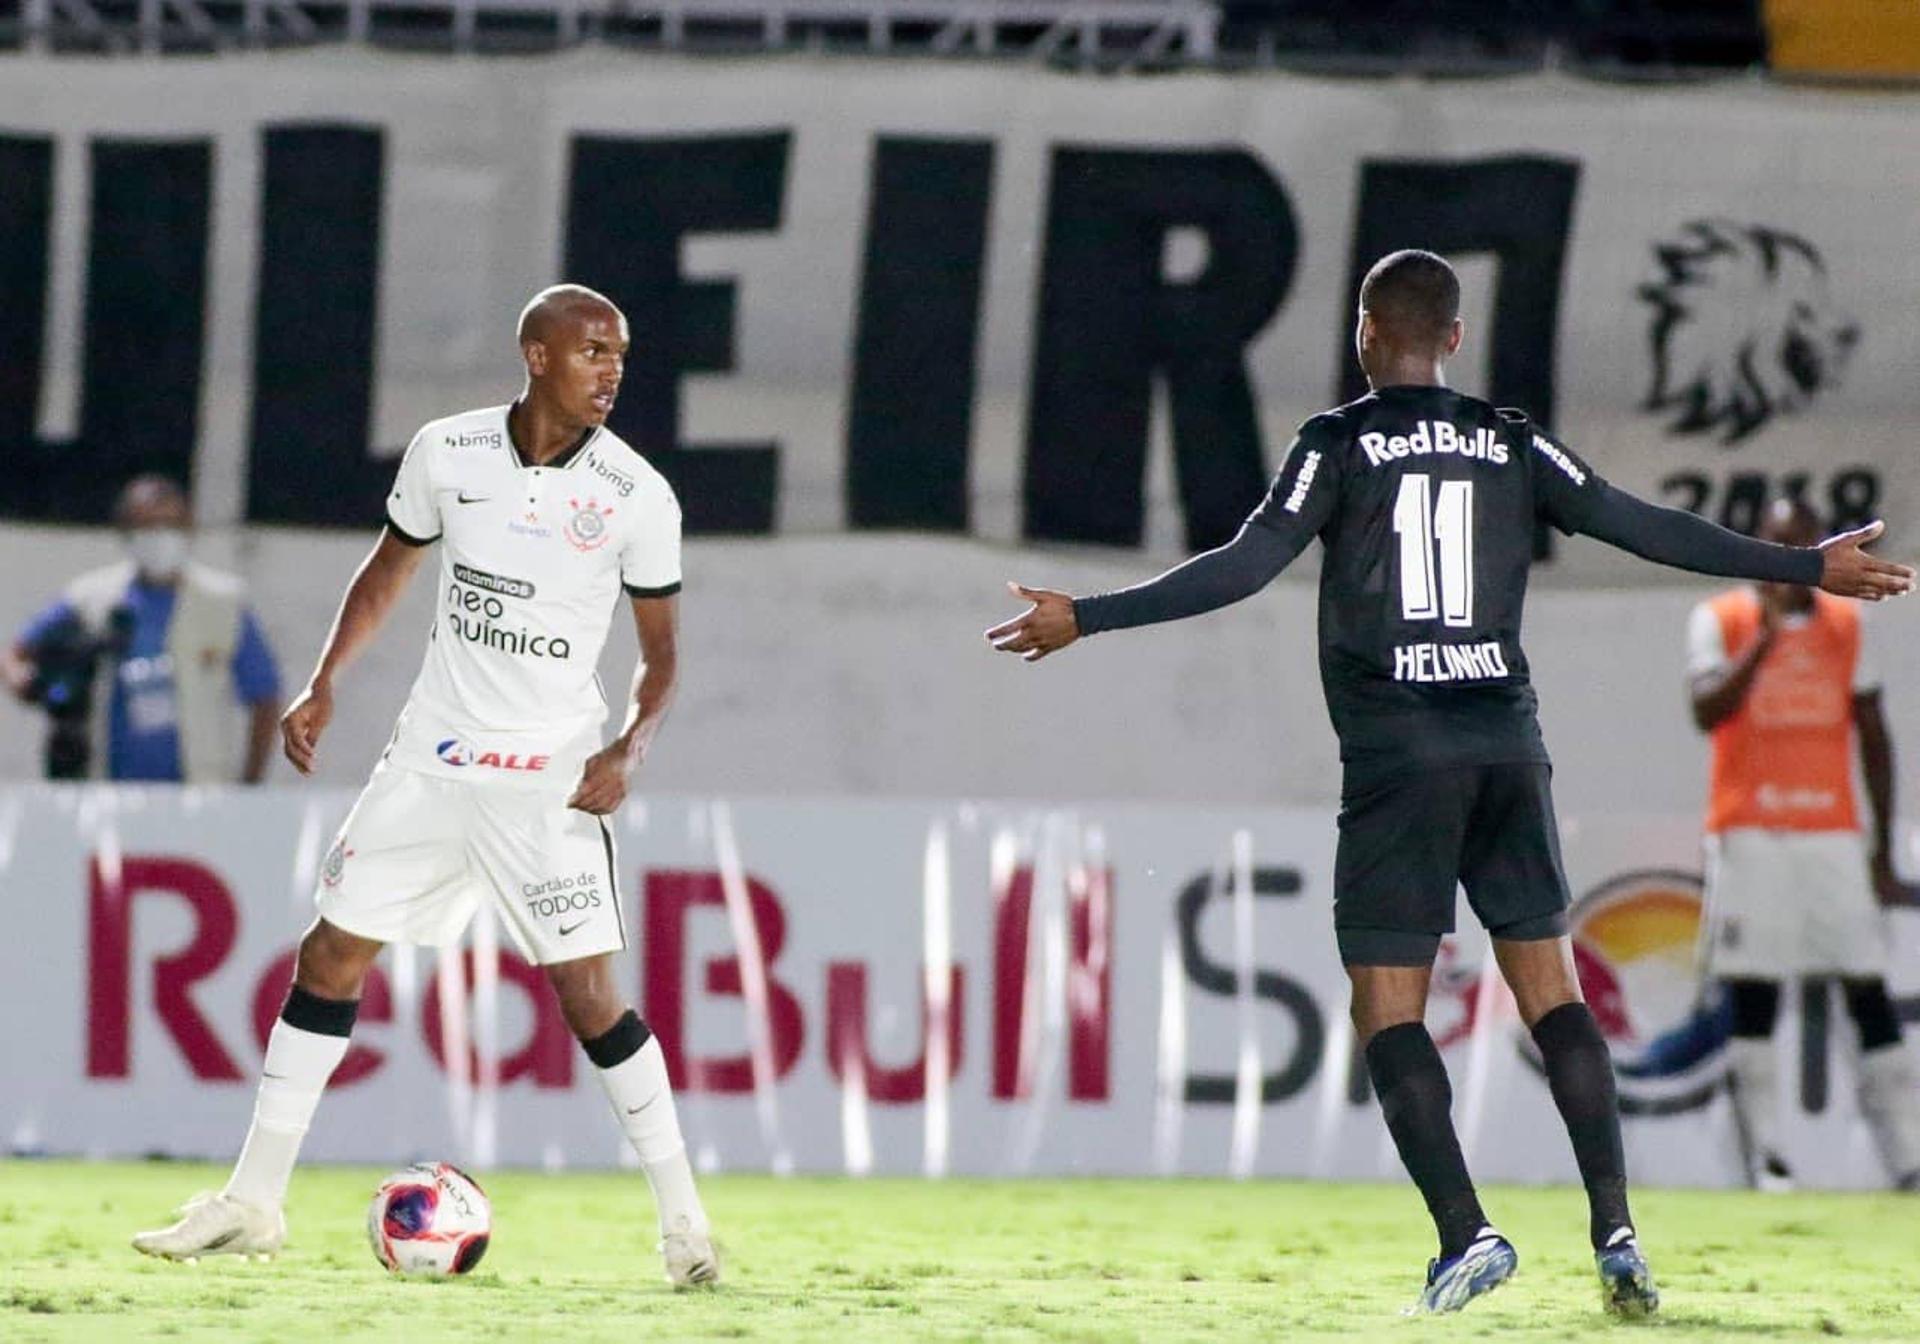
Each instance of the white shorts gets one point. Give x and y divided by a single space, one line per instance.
1786 903
417 855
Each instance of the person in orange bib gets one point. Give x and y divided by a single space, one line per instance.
1782 682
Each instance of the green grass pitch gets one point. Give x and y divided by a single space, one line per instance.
840 1260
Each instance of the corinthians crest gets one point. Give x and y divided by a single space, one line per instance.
1743 329
335 864
586 530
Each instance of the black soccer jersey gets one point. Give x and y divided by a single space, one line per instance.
1427 501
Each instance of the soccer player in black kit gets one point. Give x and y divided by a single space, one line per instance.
1426 501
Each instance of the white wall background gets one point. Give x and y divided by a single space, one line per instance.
854 665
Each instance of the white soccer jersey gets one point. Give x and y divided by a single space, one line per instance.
532 561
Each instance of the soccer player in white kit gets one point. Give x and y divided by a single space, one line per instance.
495 783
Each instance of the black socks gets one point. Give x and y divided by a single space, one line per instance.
619 1042
322 1017
1417 1101
1580 1076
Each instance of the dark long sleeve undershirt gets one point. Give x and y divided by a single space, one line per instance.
1209 581
1258 553
1686 541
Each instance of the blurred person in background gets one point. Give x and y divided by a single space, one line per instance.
147 667
1784 682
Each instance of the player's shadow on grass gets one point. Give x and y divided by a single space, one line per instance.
1720 1327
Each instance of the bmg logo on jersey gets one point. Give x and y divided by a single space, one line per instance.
621 482
457 753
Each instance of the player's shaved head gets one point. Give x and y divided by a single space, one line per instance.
574 341
558 307
1413 298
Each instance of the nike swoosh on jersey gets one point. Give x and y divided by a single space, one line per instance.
465 498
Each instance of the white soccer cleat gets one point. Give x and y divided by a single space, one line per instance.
212 1224
690 1258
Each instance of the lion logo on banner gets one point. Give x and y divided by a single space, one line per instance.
1743 328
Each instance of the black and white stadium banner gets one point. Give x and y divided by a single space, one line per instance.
972 300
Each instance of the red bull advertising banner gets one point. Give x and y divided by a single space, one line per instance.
860 986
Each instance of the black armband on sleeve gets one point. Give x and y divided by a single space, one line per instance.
406 538
1210 580
1686 541
665 590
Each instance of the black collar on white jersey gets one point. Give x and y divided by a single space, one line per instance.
557 463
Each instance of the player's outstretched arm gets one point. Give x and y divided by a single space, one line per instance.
604 778
1683 540
369 599
1207 582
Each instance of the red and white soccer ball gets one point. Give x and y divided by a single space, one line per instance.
432 1219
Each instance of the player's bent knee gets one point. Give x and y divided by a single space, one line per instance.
333 963
1536 961
1386 996
589 999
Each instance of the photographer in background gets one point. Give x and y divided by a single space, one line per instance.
143 666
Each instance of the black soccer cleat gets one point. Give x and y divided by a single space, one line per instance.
1479 1269
1626 1284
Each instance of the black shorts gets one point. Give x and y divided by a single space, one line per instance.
1406 842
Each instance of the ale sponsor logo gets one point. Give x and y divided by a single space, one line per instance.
458 753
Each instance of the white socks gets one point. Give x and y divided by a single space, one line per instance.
1891 1107
643 1104
299 1063
1754 1069
297 1067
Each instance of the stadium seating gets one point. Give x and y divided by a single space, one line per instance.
1352 36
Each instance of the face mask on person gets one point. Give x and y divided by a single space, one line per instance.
160 553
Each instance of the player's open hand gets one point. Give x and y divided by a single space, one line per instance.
603 781
300 727
1848 571
1046 626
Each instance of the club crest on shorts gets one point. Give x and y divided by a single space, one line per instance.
587 529
335 863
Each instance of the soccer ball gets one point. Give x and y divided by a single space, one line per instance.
431 1219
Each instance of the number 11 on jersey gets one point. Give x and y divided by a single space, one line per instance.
1420 520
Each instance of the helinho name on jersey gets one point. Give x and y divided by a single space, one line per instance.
1434 436
1449 662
